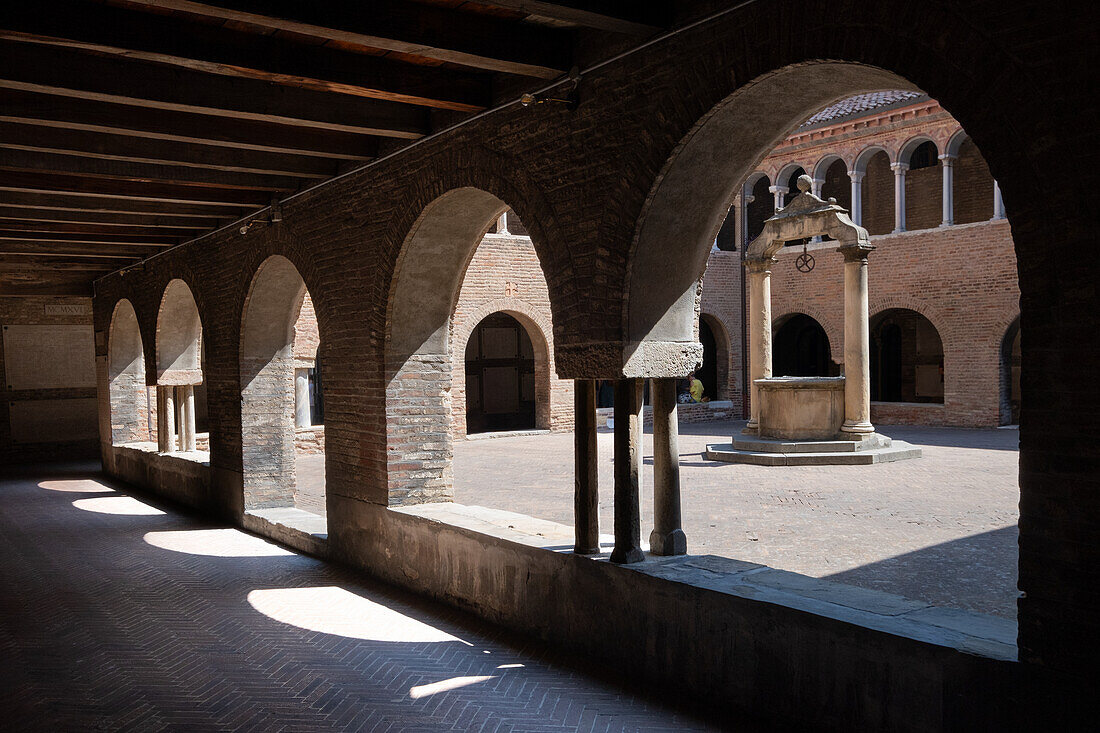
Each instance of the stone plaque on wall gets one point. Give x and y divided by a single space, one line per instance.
53 421
49 357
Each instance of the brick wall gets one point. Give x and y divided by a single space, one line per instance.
505 275
42 311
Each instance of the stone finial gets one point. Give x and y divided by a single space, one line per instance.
805 183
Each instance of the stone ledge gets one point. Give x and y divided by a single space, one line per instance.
898 450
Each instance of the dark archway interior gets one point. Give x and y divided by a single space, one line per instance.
316 393
760 208
500 376
708 373
801 349
906 358
1010 375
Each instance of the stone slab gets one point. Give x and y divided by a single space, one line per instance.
897 451
774 445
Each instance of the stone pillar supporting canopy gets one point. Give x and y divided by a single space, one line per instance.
778 192
948 171
857 350
899 196
668 537
760 331
185 406
628 476
586 499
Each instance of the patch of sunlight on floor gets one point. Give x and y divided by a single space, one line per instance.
333 610
80 486
226 542
117 505
454 683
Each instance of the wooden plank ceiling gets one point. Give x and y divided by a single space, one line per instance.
129 126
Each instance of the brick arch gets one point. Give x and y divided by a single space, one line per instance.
685 207
863 157
178 336
539 331
939 321
826 161
905 150
721 330
833 331
128 395
266 363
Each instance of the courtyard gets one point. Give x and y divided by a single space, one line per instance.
940 529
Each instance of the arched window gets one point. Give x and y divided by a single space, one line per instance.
708 372
760 208
906 358
500 376
801 348
924 155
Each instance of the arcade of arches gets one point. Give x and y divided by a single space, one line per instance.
489 276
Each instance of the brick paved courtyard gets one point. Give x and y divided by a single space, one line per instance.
940 529
122 615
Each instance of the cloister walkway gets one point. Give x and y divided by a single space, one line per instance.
119 614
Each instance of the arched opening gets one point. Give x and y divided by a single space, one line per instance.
906 358
179 350
923 185
714 372
686 206
759 207
1010 375
500 376
801 348
878 193
282 459
130 401
836 184
972 185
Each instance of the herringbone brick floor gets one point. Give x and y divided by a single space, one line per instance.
119 615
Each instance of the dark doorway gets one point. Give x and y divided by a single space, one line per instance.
316 393
500 377
708 373
1010 375
906 358
801 349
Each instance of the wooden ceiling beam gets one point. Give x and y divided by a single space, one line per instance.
60 112
39 162
70 73
143 240
159 192
55 228
105 146
466 39
46 216
216 50
10 262
71 249
40 199
639 19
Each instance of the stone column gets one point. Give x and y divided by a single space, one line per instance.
998 202
857 196
185 405
899 196
857 347
502 224
668 537
302 418
743 231
586 498
628 452
166 419
778 192
816 185
760 333
947 163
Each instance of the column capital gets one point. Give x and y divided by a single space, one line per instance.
855 252
899 168
749 198
948 158
762 264
856 176
779 189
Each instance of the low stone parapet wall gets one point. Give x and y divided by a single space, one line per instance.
309 441
912 413
694 412
180 477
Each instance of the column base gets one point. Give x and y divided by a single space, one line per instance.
670 543
624 556
752 427
898 231
595 550
857 428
